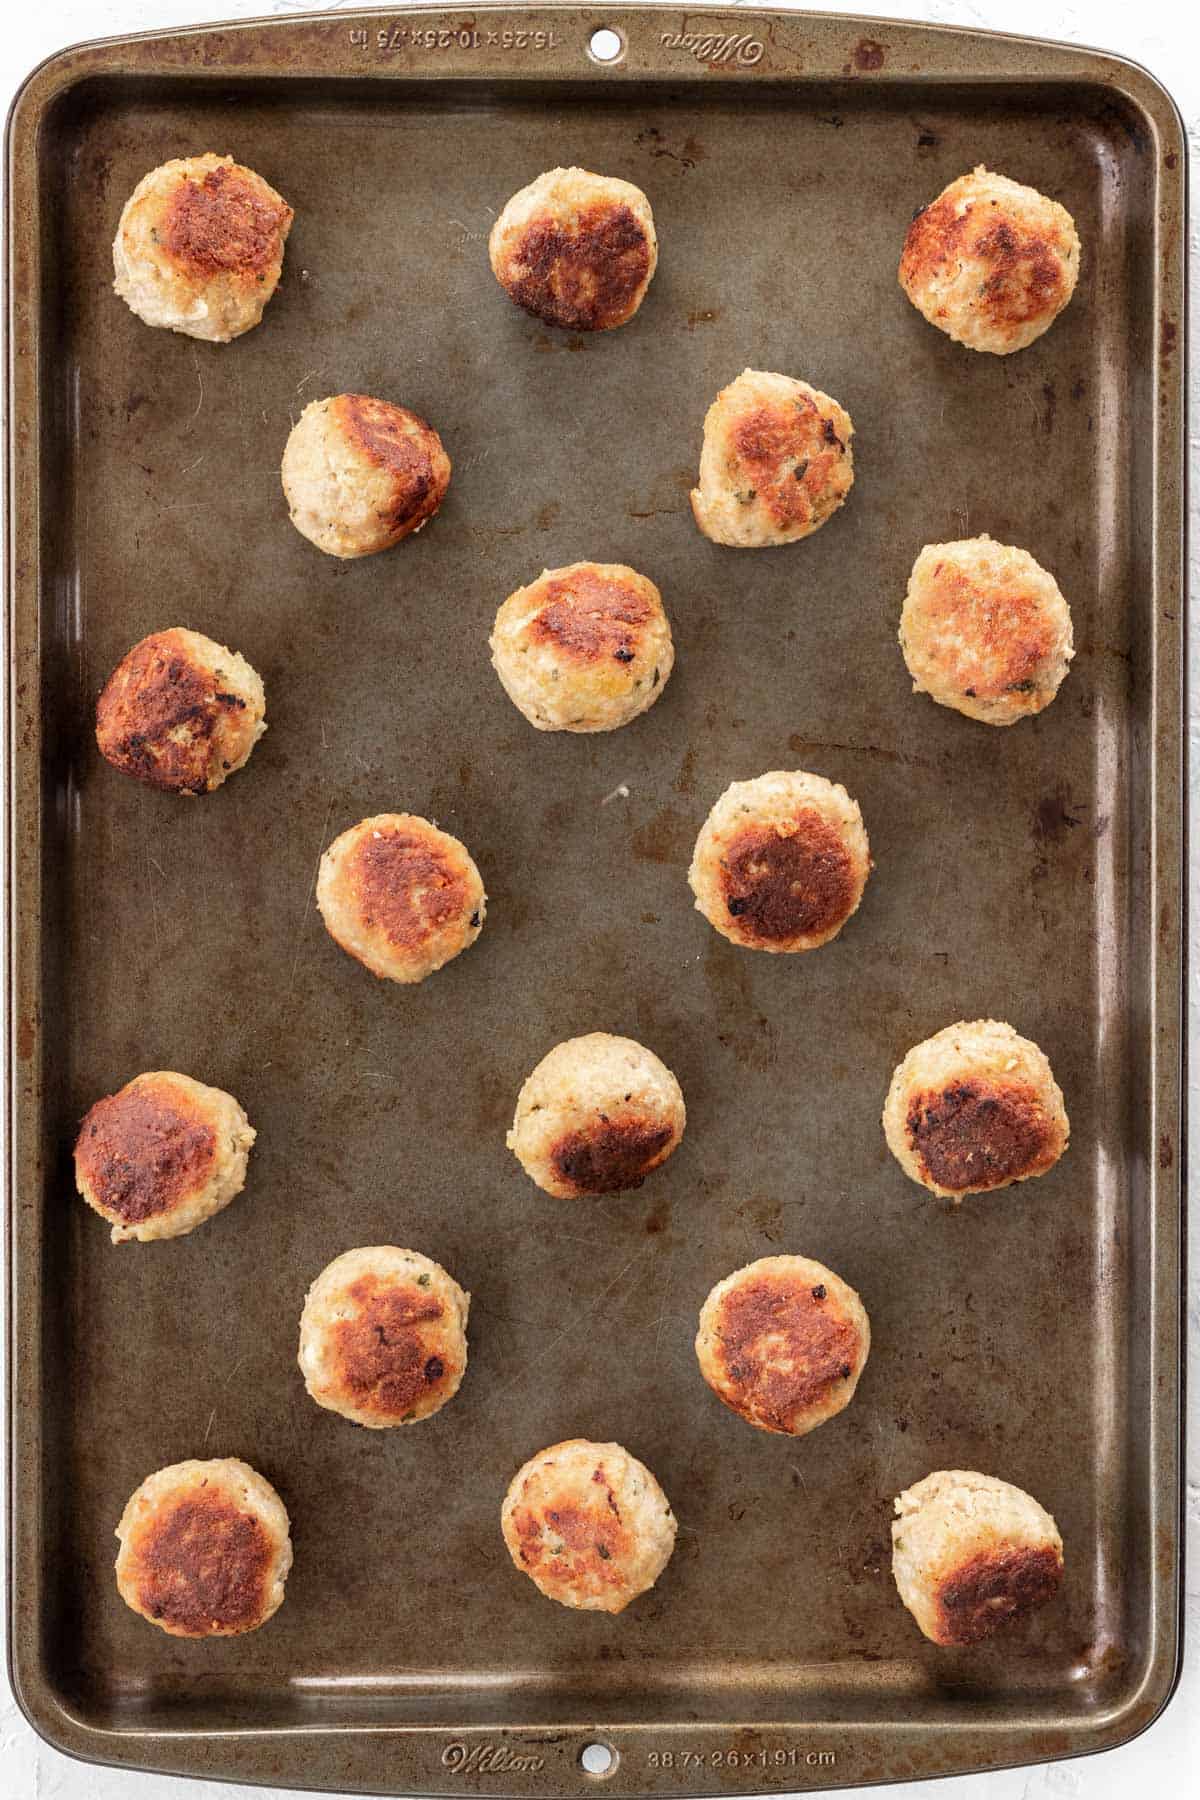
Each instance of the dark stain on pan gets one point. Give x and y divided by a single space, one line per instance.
706 316
1055 816
1050 396
1166 1152
867 56
685 779
742 1029
666 838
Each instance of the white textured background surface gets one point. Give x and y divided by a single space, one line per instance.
1165 36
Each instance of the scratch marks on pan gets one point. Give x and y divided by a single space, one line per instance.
208 1429
312 888
305 379
151 885
580 1320
664 1304
199 383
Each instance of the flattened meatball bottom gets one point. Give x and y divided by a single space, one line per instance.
205 1549
162 1155
400 896
199 247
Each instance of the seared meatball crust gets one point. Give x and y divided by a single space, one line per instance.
596 1116
199 247
205 1549
974 1108
985 630
776 462
781 862
990 262
361 474
589 1524
383 1336
401 896
973 1556
583 648
180 712
576 250
783 1342
162 1155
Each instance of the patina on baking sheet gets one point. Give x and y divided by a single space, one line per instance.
1032 874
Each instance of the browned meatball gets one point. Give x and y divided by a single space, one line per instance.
180 712
575 249
361 474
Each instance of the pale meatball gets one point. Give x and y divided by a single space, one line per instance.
975 1107
585 648
360 474
985 630
199 247
162 1155
991 263
401 896
783 1342
576 249
180 712
383 1336
596 1115
205 1549
781 862
973 1555
588 1524
775 464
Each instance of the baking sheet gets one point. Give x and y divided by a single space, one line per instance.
1034 875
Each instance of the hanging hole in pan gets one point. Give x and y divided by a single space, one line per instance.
606 45
598 1759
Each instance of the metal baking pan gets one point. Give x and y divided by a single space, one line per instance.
1034 874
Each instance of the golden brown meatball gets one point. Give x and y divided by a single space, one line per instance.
162 1155
205 1549
783 1342
360 474
383 1336
588 1524
975 1107
781 862
401 896
596 1116
972 1555
991 263
199 248
576 249
776 462
585 648
985 630
180 712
